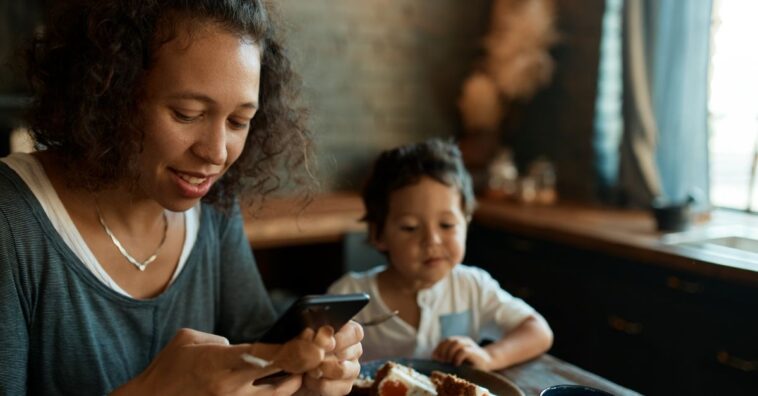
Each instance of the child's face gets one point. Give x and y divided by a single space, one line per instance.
425 232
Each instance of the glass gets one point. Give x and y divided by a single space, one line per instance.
502 175
542 173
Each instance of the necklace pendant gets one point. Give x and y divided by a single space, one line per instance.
140 265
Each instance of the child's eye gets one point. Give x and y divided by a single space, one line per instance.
407 228
447 225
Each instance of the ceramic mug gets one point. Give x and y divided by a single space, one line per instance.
672 217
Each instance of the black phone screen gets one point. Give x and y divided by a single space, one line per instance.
314 311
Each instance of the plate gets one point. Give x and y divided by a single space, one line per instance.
495 383
573 390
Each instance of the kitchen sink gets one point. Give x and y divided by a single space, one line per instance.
729 238
734 242
741 246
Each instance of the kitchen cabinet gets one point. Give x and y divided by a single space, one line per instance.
650 328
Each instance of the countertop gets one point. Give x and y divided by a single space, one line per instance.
293 221
632 234
625 233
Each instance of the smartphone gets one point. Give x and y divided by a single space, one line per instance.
315 311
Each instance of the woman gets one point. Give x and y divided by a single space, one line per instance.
114 277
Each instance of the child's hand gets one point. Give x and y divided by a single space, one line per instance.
306 352
459 349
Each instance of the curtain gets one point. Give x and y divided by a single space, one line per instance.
664 149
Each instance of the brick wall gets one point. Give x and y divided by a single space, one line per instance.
379 73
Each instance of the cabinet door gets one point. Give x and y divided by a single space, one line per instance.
728 358
647 331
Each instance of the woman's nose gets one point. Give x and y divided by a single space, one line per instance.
211 146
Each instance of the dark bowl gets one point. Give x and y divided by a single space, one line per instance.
672 218
573 390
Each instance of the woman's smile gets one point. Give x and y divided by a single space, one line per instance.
193 185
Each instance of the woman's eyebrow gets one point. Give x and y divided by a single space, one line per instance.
207 99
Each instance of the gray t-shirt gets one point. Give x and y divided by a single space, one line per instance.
65 332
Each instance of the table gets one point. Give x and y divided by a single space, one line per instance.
547 370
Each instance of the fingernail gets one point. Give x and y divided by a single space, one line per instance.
316 373
254 360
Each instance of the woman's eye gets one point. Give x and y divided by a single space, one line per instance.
181 117
407 228
447 225
239 125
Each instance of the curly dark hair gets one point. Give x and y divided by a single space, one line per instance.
86 71
403 166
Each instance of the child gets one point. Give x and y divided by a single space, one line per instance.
419 200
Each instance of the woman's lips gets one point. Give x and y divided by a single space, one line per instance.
192 185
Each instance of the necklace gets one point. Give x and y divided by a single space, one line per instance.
140 265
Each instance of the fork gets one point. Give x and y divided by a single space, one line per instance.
379 319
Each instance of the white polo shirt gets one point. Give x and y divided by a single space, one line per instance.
467 302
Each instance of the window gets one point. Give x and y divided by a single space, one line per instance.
608 122
733 105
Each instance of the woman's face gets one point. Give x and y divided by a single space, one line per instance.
200 97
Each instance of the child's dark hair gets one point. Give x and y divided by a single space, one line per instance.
406 165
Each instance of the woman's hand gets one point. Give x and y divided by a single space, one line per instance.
335 375
199 363
306 352
459 349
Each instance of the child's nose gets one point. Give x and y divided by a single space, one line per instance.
432 237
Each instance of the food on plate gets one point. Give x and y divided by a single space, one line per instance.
448 385
394 379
